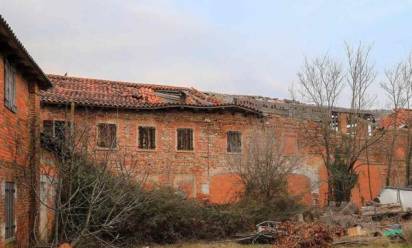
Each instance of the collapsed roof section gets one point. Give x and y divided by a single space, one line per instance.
287 108
400 118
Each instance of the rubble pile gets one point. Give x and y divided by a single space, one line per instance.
344 215
374 208
371 222
306 235
340 224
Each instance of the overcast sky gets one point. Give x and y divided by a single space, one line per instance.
242 47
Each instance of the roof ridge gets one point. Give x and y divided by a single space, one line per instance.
110 93
128 83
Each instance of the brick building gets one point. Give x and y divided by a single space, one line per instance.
372 169
185 136
20 82
399 146
189 139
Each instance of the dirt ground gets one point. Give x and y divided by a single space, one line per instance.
212 245
234 245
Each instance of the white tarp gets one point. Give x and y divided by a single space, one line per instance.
397 195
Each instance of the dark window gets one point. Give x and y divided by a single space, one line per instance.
106 136
48 128
56 129
9 208
371 124
334 121
185 139
147 138
60 130
9 86
234 141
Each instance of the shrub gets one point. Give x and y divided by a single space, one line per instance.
166 217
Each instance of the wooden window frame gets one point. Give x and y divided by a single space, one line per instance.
228 146
67 124
155 138
10 86
192 139
10 210
98 136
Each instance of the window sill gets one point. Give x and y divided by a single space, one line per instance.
234 153
11 109
146 150
106 149
185 151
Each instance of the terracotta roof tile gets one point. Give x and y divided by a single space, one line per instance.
116 94
399 118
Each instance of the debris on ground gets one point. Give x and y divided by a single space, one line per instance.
266 233
383 218
307 235
356 231
338 225
376 209
290 234
344 215
393 231
355 241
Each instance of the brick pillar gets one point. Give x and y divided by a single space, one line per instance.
34 157
343 122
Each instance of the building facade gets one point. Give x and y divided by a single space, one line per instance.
191 140
20 82
179 136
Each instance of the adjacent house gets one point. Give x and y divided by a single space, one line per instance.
21 80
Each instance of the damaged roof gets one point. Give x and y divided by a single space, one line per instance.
128 95
400 118
16 53
285 107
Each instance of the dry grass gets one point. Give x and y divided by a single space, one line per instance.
235 245
211 245
379 243
383 246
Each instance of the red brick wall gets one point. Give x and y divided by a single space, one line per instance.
15 143
204 173
300 185
190 171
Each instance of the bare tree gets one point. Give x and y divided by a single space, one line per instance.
407 78
398 88
95 190
321 82
264 168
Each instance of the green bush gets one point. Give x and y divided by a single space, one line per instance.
167 217
160 215
256 211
